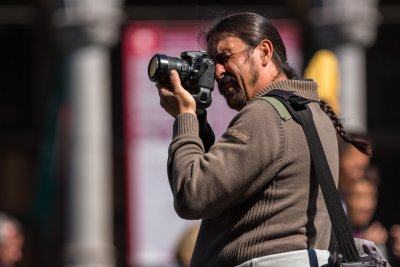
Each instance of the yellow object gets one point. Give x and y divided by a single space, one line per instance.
323 68
185 245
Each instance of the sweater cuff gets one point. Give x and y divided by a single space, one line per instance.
186 124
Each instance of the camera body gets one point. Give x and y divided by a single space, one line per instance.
196 71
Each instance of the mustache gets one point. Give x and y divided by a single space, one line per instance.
226 79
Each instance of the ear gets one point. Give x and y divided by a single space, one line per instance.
266 51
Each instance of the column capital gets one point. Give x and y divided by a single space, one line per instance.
355 20
88 22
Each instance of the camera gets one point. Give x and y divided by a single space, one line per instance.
196 71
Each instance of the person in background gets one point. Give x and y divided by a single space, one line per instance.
361 201
352 165
11 241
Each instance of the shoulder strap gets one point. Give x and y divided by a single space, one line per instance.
279 107
297 106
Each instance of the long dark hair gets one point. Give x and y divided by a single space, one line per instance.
361 144
251 28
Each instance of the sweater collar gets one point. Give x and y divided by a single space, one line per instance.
302 87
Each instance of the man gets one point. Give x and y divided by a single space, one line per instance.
254 189
11 241
362 200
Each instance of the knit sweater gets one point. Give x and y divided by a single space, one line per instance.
254 189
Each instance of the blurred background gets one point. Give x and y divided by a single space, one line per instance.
83 141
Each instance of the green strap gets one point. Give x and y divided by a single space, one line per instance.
280 108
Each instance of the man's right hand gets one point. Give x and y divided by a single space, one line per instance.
174 98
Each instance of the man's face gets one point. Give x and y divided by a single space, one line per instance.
236 71
353 164
361 203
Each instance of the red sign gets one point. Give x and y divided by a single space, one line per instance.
153 226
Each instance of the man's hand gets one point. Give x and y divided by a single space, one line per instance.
174 98
377 233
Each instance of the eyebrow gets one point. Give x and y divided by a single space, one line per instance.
229 53
222 54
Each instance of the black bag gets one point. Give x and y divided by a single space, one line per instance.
351 251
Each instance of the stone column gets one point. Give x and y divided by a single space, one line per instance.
88 29
358 21
352 26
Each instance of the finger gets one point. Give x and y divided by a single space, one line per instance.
165 91
164 87
175 80
375 225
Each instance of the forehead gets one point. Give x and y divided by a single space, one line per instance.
354 154
363 187
229 44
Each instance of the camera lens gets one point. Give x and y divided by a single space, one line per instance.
160 65
158 68
153 66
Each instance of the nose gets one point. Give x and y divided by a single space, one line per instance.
219 71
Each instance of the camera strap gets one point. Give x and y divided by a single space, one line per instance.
298 108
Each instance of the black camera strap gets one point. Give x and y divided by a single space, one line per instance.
297 106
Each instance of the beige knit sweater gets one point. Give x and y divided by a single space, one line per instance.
254 190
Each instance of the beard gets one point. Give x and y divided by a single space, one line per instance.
231 91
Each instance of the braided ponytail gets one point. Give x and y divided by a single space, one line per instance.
362 146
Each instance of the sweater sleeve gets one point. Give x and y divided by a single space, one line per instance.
247 157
